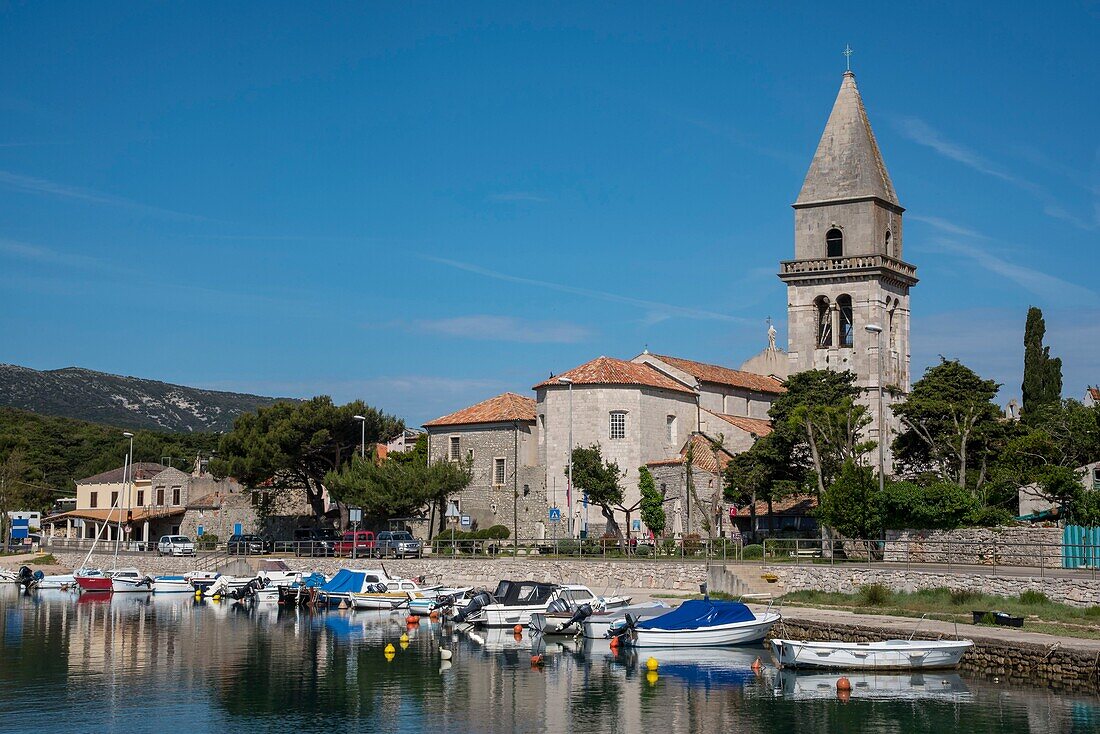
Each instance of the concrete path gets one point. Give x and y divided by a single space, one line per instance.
958 568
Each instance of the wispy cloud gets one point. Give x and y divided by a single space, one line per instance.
651 307
43 187
950 227
506 329
518 196
922 133
39 254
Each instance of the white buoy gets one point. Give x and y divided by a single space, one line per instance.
445 654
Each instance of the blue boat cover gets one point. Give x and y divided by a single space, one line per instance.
696 613
315 579
171 578
345 582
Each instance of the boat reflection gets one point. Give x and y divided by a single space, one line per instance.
886 686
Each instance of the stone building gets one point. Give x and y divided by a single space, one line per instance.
848 275
498 437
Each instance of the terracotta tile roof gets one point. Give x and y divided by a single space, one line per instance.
501 409
212 501
611 371
758 426
141 470
1094 393
796 504
116 514
719 375
702 455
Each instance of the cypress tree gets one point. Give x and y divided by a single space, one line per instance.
1042 373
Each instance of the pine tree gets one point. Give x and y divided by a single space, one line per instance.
1042 373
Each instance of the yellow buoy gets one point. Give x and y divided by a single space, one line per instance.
651 677
390 649
389 656
404 637
651 664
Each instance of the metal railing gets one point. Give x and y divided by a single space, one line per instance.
1005 557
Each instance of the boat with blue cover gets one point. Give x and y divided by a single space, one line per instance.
703 623
351 581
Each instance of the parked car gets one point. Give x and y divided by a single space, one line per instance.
247 544
175 545
361 541
315 541
398 543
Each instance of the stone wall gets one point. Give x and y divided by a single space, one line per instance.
1008 546
649 575
1016 660
1076 591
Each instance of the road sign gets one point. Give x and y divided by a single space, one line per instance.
555 514
355 515
20 529
466 522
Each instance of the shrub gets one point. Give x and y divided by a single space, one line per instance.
752 552
692 543
668 546
496 532
644 551
568 547
1034 598
990 517
874 595
963 597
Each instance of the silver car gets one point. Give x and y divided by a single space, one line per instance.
175 545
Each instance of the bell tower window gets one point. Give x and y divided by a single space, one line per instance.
824 322
889 245
844 304
834 243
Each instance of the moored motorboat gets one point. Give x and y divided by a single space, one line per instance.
703 623
599 624
92 580
512 603
350 581
445 600
172 585
393 594
129 580
571 605
884 655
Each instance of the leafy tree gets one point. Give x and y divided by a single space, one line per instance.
1042 374
940 505
653 510
600 481
764 472
951 425
394 488
295 445
850 505
821 423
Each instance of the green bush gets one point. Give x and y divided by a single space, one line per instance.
752 552
988 517
1093 612
964 596
874 595
567 547
668 546
692 543
1034 598
496 532
644 551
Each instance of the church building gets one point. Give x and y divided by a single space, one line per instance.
847 309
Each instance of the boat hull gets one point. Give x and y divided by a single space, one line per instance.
888 655
131 586
499 615
383 602
736 633
94 584
172 585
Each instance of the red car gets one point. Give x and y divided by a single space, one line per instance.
362 541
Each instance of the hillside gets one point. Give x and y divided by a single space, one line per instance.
126 402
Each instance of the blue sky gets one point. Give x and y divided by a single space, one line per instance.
423 205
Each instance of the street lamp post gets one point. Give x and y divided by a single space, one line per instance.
362 436
569 489
877 331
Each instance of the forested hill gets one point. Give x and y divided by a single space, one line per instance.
126 402
55 452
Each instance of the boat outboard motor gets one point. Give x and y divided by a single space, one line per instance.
584 611
558 606
29 579
625 630
147 582
479 600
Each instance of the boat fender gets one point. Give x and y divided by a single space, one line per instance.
518 629
843 685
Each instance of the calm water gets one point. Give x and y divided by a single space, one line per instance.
167 664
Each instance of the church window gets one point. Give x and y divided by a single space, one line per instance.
671 422
824 322
889 245
455 449
844 304
618 424
499 471
834 243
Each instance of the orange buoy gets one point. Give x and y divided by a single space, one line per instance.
614 643
843 684
518 629
756 666
537 660
433 615
412 619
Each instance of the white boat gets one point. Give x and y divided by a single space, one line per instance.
571 605
129 580
599 624
703 623
884 655
277 573
8 577
392 594
172 585
874 685
65 580
511 604
444 599
350 581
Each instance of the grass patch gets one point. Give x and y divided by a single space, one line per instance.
1040 613
46 560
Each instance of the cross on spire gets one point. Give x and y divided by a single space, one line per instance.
848 55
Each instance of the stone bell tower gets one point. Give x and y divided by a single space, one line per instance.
848 272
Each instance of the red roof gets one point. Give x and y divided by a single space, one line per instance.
611 371
702 456
720 375
796 504
1094 393
140 470
756 426
503 408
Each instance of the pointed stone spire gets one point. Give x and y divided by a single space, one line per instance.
847 164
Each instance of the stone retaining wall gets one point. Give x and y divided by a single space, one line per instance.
656 575
1027 662
1008 546
1076 592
